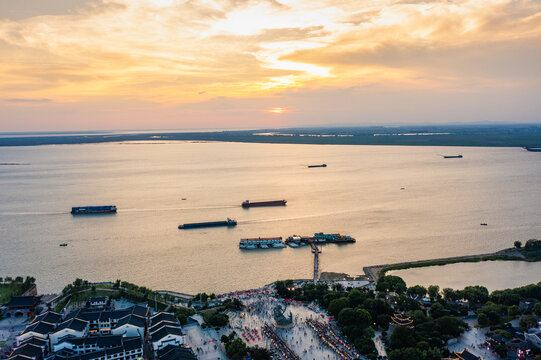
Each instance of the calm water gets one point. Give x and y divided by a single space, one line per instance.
494 275
437 215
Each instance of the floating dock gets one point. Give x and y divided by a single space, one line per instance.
262 243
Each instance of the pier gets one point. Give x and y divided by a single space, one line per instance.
316 252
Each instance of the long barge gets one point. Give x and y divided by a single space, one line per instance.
261 243
81 210
453 156
248 204
229 222
317 166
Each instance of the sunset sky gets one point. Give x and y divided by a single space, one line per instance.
176 64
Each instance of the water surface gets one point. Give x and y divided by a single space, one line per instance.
359 193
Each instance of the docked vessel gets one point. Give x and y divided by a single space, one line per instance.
297 240
248 204
228 222
79 210
533 149
316 166
452 156
261 243
332 238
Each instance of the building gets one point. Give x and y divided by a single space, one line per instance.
39 330
104 321
128 349
171 352
21 305
69 328
534 338
165 331
98 302
130 326
401 319
463 355
29 351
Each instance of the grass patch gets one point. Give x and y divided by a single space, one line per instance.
7 291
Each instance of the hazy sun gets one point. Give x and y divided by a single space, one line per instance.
277 110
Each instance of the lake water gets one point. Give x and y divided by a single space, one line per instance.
494 275
359 193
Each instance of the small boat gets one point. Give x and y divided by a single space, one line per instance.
402 188
533 149
316 166
183 199
63 244
484 224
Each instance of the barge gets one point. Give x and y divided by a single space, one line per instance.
453 156
316 166
533 149
229 222
248 204
262 243
79 210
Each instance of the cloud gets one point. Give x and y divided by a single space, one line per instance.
161 52
18 101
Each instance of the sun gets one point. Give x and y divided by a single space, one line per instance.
162 2
278 110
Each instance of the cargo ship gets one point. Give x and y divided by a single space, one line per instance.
227 222
262 243
79 210
533 149
316 166
452 156
248 204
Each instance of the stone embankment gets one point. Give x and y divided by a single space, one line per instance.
373 272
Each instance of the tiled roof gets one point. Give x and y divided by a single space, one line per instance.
164 331
40 327
171 352
73 324
161 324
161 316
134 320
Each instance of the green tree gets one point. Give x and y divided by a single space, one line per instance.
434 291
527 322
402 337
450 294
518 244
537 309
476 294
482 320
336 305
236 349
417 290
513 311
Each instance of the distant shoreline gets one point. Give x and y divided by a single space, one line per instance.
450 135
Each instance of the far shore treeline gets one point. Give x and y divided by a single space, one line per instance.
504 135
